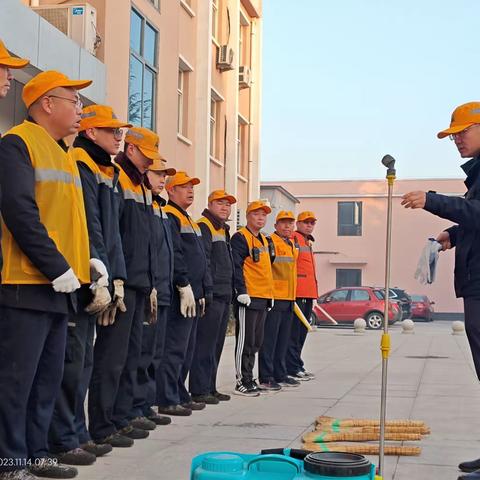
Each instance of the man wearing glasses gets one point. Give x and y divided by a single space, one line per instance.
100 136
45 243
464 130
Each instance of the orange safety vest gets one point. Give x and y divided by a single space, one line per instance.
258 275
307 286
59 197
284 269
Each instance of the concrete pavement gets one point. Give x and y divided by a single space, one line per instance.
431 378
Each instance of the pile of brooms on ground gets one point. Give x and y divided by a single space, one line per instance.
361 436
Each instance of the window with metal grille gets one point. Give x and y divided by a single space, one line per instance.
350 219
349 277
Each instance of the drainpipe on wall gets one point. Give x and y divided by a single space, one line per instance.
250 103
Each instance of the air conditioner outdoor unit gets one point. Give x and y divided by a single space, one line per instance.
78 21
225 58
244 77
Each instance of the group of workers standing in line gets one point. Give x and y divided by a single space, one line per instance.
108 288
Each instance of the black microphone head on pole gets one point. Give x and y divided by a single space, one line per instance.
389 162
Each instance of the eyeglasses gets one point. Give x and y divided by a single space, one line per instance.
75 101
116 132
453 136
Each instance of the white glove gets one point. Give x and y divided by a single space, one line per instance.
244 299
98 272
119 295
187 301
66 283
153 306
101 300
202 306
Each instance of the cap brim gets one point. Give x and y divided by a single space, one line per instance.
77 84
307 218
14 62
285 218
455 129
230 198
170 172
151 154
266 209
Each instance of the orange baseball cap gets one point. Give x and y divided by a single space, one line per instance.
221 195
46 81
307 215
146 140
100 116
285 215
7 60
463 116
258 205
180 178
160 165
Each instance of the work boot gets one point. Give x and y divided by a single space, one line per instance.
143 423
99 450
77 456
270 385
116 440
207 399
175 410
134 433
17 475
470 466
49 468
192 405
159 419
289 382
222 397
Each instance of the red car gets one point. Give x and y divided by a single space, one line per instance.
345 305
422 307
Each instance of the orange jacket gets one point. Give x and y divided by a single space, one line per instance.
307 286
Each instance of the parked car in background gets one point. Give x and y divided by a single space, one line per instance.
422 308
405 301
346 304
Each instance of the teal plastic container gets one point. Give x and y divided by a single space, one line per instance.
279 464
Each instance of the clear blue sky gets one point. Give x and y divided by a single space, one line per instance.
346 81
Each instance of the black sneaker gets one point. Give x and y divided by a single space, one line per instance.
176 410
77 456
116 440
50 468
246 390
308 374
134 433
222 397
17 475
207 399
143 423
192 405
289 382
99 450
270 386
159 419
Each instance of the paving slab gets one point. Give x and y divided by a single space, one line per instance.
430 378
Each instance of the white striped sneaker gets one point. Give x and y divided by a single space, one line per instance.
246 390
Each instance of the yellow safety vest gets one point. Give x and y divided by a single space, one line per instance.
58 194
103 174
187 225
258 275
284 269
218 235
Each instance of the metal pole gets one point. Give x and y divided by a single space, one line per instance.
389 162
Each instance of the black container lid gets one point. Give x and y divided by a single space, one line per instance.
337 464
